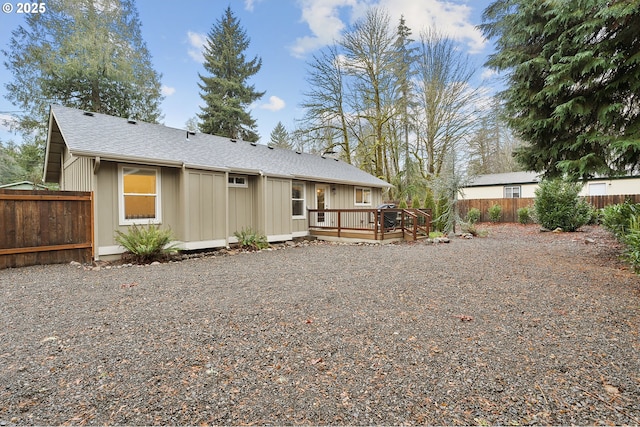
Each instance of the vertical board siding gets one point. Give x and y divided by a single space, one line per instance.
45 227
510 206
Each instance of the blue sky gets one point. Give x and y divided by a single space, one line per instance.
283 33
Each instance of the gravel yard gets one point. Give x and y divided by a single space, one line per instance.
520 327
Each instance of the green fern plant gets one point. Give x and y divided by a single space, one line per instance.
146 244
251 239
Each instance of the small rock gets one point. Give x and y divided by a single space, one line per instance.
589 240
155 263
75 264
557 230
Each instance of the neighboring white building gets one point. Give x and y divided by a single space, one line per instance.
524 185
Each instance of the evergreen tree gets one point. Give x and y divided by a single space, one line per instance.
10 169
574 79
225 90
83 54
280 137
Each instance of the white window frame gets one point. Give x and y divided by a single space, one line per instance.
121 194
303 199
364 189
597 185
511 188
238 181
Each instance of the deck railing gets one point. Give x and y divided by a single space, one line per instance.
375 224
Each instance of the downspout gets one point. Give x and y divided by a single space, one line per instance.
95 214
263 178
226 210
186 203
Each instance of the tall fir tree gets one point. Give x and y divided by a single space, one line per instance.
280 137
83 54
225 90
573 82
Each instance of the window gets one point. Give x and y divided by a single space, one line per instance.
363 196
598 189
512 192
238 181
139 193
297 200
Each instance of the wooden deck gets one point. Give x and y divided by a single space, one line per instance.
369 224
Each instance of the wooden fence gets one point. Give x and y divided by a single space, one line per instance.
510 206
45 227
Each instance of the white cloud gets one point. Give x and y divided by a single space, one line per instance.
275 104
488 73
168 90
7 121
196 42
325 22
250 4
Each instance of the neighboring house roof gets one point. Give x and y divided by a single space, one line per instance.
118 139
504 179
23 185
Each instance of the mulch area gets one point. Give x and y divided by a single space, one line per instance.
519 327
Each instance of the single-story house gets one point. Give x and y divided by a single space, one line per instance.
23 185
524 184
203 187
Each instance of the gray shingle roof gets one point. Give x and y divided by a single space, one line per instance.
504 179
114 138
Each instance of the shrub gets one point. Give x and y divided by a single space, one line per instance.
415 203
616 218
473 215
558 205
429 201
632 241
251 240
495 212
146 244
441 215
524 215
403 204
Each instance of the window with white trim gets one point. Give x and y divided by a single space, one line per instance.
139 195
238 181
512 192
297 200
597 189
363 196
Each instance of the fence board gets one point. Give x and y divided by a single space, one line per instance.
510 206
45 227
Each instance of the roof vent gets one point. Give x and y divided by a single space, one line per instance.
131 121
88 113
190 133
233 140
270 147
253 144
298 152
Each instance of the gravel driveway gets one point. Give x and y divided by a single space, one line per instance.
519 327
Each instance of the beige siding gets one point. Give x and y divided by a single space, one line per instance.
170 198
205 206
106 211
242 204
343 197
278 207
613 187
497 191
78 173
622 186
107 203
